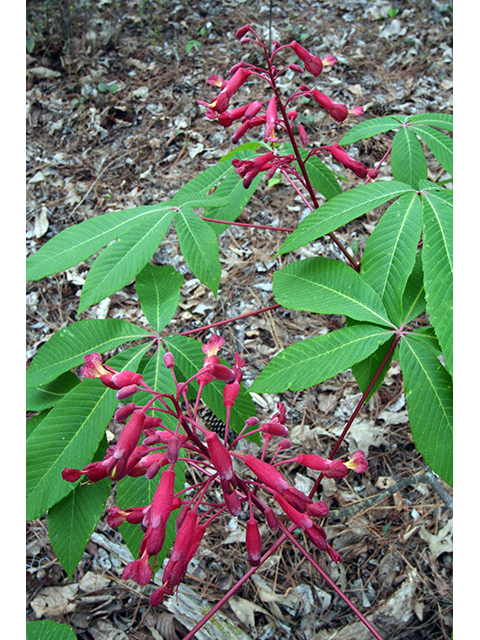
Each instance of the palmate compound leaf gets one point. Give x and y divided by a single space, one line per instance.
317 359
428 392
390 252
322 285
69 436
122 260
341 210
158 290
81 241
199 246
437 254
439 120
138 492
67 347
72 521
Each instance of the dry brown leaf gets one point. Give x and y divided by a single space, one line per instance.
55 601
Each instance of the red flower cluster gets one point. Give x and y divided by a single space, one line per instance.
146 445
272 114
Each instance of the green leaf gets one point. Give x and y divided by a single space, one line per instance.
437 256
439 120
439 144
199 246
139 492
67 437
428 392
49 630
413 303
314 360
322 178
47 395
67 347
366 370
189 357
231 187
33 423
407 159
341 210
80 241
195 193
369 128
72 521
322 285
120 262
158 290
390 252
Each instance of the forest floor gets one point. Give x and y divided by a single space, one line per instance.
113 123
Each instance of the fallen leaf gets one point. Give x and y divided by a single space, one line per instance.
55 601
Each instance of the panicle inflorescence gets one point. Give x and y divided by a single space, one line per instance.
274 114
247 482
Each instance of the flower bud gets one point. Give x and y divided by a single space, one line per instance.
126 392
230 393
221 458
272 520
253 542
169 360
242 31
173 449
126 378
124 412
266 473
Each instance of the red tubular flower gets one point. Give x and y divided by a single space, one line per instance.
219 372
139 570
230 393
127 378
221 459
317 536
148 465
313 64
229 89
242 32
272 520
337 111
302 520
249 169
227 118
161 507
127 442
252 109
94 472
266 473
297 499
330 468
271 121
124 412
253 542
173 449
93 367
126 392
232 500
275 429
358 168
117 516
317 509
357 462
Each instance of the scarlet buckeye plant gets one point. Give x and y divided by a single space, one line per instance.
406 268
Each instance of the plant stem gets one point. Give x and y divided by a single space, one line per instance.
245 224
241 317
357 408
327 578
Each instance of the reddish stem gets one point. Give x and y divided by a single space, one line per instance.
357 409
327 578
217 324
245 224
